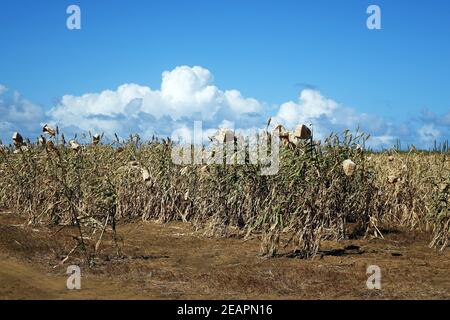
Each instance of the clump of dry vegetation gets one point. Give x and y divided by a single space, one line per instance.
414 191
330 190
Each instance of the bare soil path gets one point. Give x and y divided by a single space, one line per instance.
174 262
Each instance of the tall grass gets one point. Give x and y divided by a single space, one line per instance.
311 199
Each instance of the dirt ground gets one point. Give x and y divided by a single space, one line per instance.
173 262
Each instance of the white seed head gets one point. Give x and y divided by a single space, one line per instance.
280 132
349 167
145 174
74 145
50 131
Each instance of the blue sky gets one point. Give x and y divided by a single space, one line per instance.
319 55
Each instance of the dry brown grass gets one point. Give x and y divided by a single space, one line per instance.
311 199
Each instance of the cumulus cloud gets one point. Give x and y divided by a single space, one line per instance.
188 94
428 133
438 120
18 113
435 126
326 115
311 106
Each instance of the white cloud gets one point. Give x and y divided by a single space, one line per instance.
311 106
188 94
382 141
18 113
428 133
327 115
